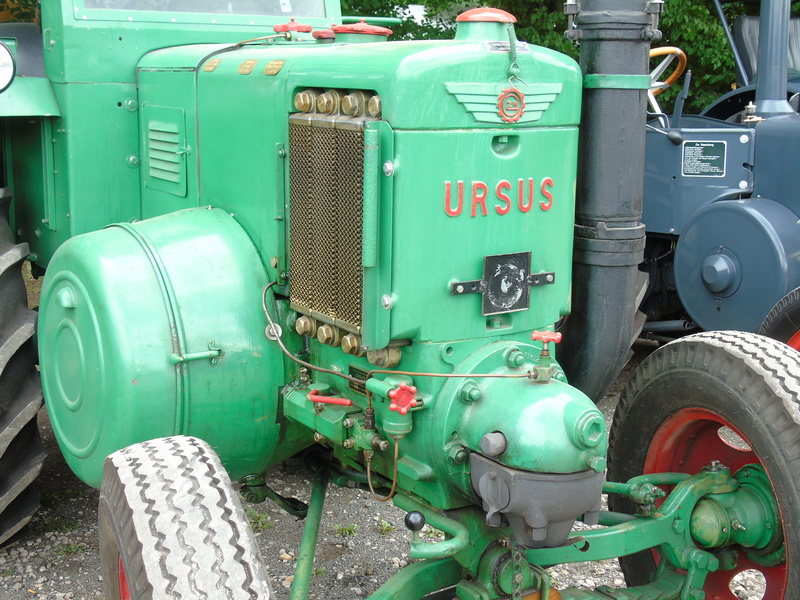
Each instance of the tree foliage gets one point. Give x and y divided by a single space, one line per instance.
692 25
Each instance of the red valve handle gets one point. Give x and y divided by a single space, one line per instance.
315 397
402 398
292 25
546 336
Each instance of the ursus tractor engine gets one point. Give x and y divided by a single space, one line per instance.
362 250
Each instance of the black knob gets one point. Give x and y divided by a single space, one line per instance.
415 520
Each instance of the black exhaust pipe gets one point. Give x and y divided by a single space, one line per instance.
615 38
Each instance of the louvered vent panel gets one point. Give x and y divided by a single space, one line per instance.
164 144
165 128
326 179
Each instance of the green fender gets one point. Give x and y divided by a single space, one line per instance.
154 329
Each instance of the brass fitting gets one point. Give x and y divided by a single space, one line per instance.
329 335
375 107
385 358
355 104
304 101
351 344
306 326
329 102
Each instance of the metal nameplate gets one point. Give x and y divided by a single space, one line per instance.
506 47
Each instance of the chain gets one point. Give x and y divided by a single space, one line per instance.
517 560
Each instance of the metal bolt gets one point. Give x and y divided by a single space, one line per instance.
281 153
374 106
742 185
549 278
329 335
304 101
306 326
348 422
318 437
470 392
131 104
460 289
458 454
388 168
132 160
386 301
349 444
379 444
744 139
351 344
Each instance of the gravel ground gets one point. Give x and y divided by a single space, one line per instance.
361 544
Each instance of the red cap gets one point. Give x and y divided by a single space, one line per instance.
324 34
486 15
363 28
292 26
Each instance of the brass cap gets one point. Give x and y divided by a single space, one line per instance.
329 335
306 326
351 344
375 107
304 101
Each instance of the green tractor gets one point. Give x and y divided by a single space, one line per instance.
265 231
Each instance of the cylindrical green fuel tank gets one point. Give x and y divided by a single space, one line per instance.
156 328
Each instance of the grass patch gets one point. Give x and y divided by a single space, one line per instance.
70 549
49 524
258 521
384 528
345 530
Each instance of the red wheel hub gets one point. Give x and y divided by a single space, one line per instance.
124 592
794 341
685 443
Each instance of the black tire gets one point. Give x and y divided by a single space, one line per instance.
783 321
21 449
171 526
684 393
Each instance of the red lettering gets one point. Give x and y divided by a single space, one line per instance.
448 207
503 185
522 205
479 186
546 183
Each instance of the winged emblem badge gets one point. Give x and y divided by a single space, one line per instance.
498 103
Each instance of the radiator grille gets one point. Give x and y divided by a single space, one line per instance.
326 179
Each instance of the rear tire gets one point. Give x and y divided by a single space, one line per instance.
669 418
21 449
171 526
783 321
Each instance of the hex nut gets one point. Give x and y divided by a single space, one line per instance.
306 326
329 335
351 344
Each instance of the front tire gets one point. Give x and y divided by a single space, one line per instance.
21 449
671 418
171 526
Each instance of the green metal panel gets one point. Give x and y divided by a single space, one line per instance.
29 96
487 197
168 341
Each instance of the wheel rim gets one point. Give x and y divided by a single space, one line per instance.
794 341
688 441
124 591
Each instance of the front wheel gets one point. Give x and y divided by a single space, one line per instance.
717 396
783 321
171 526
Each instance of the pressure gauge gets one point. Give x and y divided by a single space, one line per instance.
8 67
